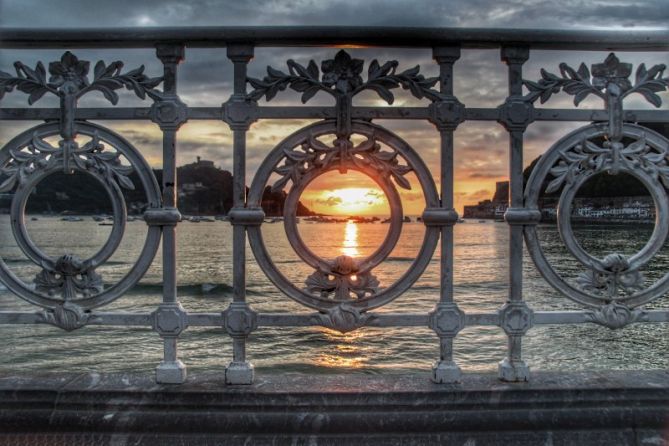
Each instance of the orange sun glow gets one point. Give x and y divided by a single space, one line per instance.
351 201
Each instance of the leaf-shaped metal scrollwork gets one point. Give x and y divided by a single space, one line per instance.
39 155
70 278
615 316
343 318
615 275
314 154
608 78
68 316
341 76
70 72
610 157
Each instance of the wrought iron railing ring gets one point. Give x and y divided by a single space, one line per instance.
304 156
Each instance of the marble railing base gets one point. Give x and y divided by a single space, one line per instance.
611 408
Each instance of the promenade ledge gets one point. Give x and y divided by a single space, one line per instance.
594 408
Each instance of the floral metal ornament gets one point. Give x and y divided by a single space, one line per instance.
313 154
343 318
614 276
342 72
610 157
610 78
69 277
343 280
615 316
70 76
68 316
39 156
341 76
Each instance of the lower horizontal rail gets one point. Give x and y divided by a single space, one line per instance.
313 319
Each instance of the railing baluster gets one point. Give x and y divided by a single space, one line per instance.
239 319
447 319
170 319
515 315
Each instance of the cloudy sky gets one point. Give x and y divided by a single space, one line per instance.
481 148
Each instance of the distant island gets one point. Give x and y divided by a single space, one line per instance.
203 189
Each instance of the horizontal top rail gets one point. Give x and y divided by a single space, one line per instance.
216 36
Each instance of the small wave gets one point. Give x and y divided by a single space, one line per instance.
400 259
423 288
201 289
288 261
17 261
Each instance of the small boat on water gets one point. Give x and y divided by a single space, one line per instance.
199 219
208 287
98 218
34 219
71 218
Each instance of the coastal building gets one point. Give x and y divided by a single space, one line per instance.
638 208
494 208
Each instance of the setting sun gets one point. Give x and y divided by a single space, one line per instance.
353 194
355 200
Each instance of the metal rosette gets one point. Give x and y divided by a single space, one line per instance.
69 282
343 280
614 281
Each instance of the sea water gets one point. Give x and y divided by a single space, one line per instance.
481 273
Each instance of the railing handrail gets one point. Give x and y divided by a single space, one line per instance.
383 36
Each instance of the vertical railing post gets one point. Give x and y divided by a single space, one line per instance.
515 317
446 319
170 319
239 319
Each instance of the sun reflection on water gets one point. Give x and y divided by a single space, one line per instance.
350 245
346 351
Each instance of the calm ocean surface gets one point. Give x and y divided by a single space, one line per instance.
205 279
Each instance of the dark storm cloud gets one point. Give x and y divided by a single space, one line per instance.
510 13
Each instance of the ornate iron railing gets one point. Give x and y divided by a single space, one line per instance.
342 291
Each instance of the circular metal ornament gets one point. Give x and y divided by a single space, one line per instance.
28 159
572 161
354 276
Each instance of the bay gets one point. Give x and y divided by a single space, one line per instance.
205 285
